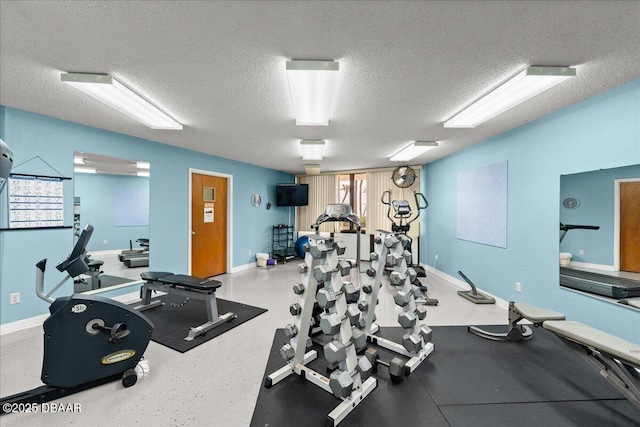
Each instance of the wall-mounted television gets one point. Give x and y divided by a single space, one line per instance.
292 194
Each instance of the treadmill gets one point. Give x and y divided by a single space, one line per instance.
596 283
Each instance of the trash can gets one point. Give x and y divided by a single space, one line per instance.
262 258
565 259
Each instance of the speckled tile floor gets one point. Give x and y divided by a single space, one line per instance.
217 383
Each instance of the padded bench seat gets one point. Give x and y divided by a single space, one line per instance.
537 314
182 281
602 341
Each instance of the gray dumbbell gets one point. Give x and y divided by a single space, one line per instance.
396 365
411 274
298 289
397 279
367 288
335 351
377 240
331 323
407 320
404 239
364 367
322 273
402 298
341 384
327 297
411 343
390 241
319 250
371 272
393 260
302 268
295 309
421 311
373 256
426 333
291 330
340 247
287 352
407 257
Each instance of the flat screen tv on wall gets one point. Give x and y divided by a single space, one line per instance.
292 194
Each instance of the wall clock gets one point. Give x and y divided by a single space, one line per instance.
256 199
570 203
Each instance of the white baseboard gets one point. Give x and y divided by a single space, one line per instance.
592 266
34 321
20 325
244 267
462 284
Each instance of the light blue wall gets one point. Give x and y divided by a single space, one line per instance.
97 207
55 141
600 132
595 190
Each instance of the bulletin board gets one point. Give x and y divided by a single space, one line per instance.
35 201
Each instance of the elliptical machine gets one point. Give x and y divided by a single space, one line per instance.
402 213
86 340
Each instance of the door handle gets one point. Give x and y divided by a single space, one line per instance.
193 233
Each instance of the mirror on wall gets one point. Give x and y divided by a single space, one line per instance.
112 194
600 233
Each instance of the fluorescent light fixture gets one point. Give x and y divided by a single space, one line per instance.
84 170
105 88
312 169
413 150
143 165
312 85
141 173
78 161
312 149
524 85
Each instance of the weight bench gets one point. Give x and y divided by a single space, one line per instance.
615 359
189 287
517 332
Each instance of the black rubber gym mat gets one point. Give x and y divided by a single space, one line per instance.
173 320
466 381
297 402
468 370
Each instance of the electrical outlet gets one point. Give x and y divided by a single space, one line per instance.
581 251
518 287
14 298
104 242
249 251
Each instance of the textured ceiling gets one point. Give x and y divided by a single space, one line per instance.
219 68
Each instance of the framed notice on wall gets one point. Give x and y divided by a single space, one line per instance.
35 201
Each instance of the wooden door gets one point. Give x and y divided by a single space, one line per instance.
630 226
208 225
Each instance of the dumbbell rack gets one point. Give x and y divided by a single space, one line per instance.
351 381
389 251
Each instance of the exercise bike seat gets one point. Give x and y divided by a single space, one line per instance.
191 282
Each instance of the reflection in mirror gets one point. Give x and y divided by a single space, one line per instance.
600 233
112 194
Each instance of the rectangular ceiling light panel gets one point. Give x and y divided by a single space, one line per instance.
312 85
526 84
413 150
105 88
312 149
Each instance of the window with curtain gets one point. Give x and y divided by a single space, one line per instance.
352 190
323 190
